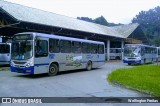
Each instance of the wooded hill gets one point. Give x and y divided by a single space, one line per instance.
148 20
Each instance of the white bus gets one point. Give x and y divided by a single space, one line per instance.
158 53
35 53
139 54
5 53
115 53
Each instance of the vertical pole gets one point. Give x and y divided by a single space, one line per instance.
108 50
0 39
122 48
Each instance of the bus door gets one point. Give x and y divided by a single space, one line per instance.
41 61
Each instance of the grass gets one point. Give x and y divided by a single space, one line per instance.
144 78
4 68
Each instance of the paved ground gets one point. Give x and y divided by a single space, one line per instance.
79 83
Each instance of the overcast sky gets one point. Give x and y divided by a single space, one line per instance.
117 11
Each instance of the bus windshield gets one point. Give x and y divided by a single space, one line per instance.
132 51
22 50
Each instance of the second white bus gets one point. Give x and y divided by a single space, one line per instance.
35 53
139 54
115 53
5 53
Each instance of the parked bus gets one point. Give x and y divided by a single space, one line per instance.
158 53
115 53
139 54
35 53
5 53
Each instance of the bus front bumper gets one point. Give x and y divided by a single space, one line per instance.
4 62
28 70
132 61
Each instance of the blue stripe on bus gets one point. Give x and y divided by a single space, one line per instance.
42 64
4 61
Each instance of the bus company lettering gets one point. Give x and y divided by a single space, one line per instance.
89 56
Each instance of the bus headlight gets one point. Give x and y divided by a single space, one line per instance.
125 58
29 64
138 58
11 63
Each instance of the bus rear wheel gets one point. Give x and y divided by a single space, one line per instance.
129 64
89 66
118 58
53 70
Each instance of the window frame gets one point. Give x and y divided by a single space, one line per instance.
46 48
56 45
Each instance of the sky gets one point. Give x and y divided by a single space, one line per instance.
116 11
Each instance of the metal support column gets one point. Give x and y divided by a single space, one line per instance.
108 50
122 47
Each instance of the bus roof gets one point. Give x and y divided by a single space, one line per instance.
5 43
60 37
140 45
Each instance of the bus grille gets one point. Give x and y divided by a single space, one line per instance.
131 58
17 62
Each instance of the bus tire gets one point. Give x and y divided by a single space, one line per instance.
117 58
53 70
144 61
89 66
129 64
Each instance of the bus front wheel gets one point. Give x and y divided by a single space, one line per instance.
89 66
53 70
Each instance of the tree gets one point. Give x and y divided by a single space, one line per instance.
150 23
101 20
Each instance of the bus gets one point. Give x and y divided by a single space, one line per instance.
158 53
115 53
5 53
139 54
35 53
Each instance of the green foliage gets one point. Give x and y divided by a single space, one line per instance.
150 23
143 78
99 20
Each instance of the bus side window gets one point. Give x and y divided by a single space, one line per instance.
94 48
101 49
53 45
65 46
76 47
85 47
142 51
41 49
4 48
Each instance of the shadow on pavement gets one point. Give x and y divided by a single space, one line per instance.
46 74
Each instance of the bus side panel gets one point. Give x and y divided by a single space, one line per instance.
100 60
71 61
150 58
5 58
41 65
97 59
